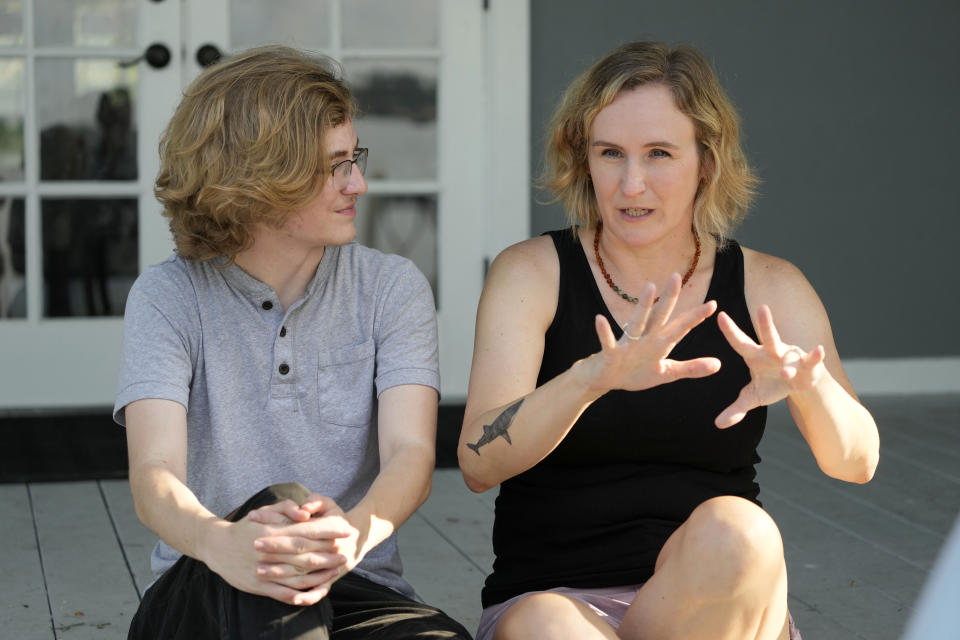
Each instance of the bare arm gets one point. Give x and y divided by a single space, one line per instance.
802 365
157 446
510 424
407 416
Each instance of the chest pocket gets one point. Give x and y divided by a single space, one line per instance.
345 384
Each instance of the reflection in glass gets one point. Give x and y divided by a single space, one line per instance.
397 24
89 256
13 291
11 23
398 116
11 118
298 23
405 225
85 110
86 23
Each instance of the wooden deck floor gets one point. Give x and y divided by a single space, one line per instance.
75 559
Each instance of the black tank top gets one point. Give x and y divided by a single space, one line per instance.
597 510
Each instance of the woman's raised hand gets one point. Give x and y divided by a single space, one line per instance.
639 359
776 368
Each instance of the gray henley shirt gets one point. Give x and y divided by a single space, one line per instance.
278 396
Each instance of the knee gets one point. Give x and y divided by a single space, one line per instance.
540 615
740 537
288 491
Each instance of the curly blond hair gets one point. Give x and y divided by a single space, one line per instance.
245 147
728 184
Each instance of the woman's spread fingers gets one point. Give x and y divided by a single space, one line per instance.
730 416
733 414
766 329
604 333
696 368
682 324
641 313
815 357
668 300
741 342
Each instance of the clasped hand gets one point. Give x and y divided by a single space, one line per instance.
288 552
638 360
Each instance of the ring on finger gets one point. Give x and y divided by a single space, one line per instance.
628 334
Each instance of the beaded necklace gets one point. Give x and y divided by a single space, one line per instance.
623 294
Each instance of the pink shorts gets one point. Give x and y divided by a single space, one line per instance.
610 603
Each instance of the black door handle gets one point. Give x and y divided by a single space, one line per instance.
208 54
157 56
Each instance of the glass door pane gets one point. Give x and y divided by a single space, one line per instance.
86 112
86 23
89 255
12 107
400 24
398 116
297 23
13 293
11 23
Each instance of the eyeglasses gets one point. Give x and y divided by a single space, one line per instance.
342 171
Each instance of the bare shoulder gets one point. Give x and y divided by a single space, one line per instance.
535 258
774 281
798 312
524 278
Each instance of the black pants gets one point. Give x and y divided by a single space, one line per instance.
191 602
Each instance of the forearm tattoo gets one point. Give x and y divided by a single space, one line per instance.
498 429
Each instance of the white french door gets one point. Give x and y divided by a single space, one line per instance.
78 125
442 86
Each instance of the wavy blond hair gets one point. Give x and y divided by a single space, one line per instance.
728 184
245 147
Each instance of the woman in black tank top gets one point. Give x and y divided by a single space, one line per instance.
619 404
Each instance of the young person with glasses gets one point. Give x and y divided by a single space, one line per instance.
279 383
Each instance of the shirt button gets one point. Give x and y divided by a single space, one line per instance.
283 331
267 305
284 369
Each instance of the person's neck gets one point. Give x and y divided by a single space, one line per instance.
651 263
287 270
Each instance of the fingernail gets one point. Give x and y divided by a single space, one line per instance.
258 544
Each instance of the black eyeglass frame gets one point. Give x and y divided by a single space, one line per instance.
359 159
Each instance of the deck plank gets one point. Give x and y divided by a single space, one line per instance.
92 595
464 518
24 612
439 572
136 539
856 559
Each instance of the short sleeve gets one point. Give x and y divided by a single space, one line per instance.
406 331
160 336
